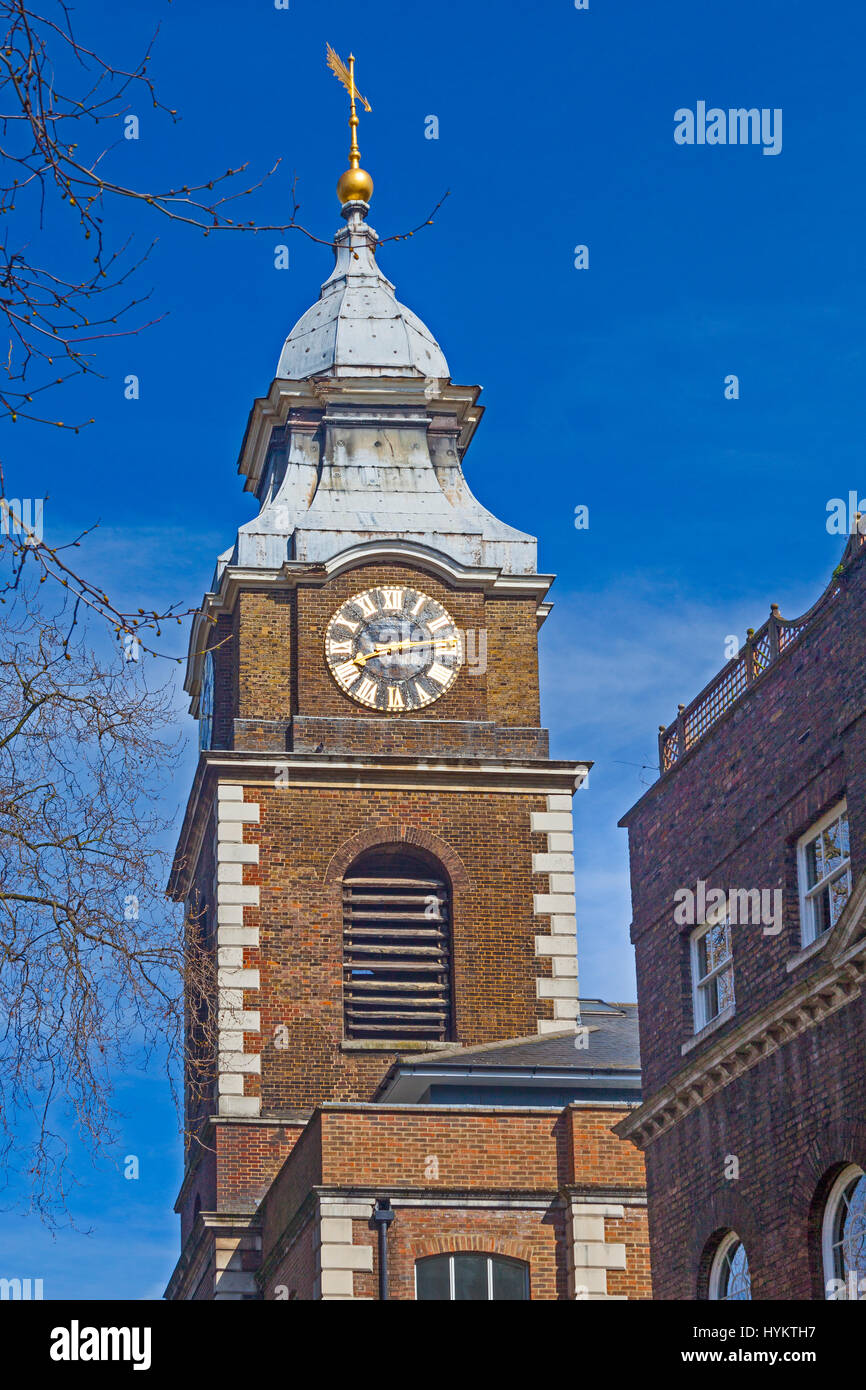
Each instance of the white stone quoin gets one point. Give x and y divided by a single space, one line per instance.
590 1254
556 909
337 1259
232 896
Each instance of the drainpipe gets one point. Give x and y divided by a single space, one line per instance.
382 1218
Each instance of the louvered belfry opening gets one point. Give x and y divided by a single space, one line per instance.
396 947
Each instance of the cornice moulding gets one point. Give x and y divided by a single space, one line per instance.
318 393
394 772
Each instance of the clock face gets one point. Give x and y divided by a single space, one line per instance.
393 649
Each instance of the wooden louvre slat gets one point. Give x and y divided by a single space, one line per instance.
424 933
396 977
381 883
380 900
391 917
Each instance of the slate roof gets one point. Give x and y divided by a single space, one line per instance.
613 1044
612 1047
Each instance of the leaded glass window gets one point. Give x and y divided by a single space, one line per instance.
730 1280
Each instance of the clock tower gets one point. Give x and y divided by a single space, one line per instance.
377 851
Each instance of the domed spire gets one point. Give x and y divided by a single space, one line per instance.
358 327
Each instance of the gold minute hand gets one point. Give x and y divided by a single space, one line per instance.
363 657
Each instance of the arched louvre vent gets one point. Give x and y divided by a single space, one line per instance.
396 949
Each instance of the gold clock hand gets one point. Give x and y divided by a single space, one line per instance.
363 657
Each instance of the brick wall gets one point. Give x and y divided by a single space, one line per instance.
300 924
731 814
789 1121
273 664
523 1168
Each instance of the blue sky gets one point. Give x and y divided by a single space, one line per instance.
603 387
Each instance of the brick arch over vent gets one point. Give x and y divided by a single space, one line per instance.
408 835
481 1245
837 1145
727 1212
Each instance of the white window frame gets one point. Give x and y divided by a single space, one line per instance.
490 1256
699 982
718 1267
828 1229
808 933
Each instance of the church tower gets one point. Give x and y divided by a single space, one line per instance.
377 844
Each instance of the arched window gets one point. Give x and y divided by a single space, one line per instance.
730 1280
460 1277
844 1236
396 946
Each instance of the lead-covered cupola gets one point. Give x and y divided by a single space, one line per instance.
358 327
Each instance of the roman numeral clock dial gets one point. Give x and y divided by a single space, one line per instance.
394 650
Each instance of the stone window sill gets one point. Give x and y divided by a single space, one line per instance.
708 1029
811 950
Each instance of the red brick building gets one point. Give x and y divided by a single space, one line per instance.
748 863
378 854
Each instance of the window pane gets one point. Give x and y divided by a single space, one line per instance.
839 891
736 1282
470 1277
725 983
833 855
432 1279
708 1003
814 862
703 968
851 1232
843 835
821 919
509 1280
717 945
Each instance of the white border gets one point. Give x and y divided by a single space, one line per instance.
730 1240
698 1010
828 1222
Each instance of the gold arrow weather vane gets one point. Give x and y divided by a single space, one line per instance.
356 184
347 76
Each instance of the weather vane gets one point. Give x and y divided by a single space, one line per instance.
356 184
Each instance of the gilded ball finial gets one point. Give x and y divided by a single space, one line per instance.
355 185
